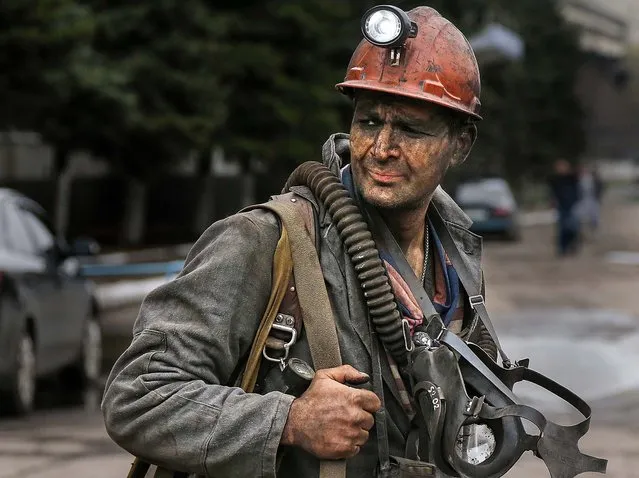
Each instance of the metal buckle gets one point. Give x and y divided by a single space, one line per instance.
282 360
474 406
476 300
408 341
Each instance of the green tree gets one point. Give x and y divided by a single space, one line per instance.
39 39
135 84
52 81
169 56
288 57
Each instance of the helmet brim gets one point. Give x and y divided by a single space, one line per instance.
402 91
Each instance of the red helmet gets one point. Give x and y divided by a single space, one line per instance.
437 65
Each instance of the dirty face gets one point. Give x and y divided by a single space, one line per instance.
401 149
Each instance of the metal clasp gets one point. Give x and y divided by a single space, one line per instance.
287 346
476 300
474 406
408 341
395 56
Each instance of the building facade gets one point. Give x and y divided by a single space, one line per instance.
608 29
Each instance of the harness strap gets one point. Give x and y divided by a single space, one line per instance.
315 305
435 326
475 297
290 322
562 392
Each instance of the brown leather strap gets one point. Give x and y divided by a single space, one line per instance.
311 291
282 271
278 339
290 304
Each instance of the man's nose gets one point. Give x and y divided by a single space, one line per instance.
385 146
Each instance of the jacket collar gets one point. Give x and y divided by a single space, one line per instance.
449 209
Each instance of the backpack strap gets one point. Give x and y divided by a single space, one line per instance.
288 322
315 305
282 275
309 283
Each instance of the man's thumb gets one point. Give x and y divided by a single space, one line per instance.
345 373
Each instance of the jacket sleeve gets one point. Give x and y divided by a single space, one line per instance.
166 400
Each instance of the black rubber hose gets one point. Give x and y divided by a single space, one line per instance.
361 248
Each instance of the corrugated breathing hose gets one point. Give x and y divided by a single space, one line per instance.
362 250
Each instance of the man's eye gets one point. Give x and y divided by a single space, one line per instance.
418 132
368 122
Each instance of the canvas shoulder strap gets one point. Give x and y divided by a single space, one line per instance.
315 306
314 302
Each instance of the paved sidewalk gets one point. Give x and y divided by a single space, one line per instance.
60 444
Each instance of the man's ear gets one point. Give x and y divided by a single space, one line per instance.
463 143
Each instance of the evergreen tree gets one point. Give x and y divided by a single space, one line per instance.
288 56
171 56
40 41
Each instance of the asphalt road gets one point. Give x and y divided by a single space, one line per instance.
60 442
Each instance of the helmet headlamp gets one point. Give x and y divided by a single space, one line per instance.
387 26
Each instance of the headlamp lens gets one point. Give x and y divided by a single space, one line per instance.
475 443
383 27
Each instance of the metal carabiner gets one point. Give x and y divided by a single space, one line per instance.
287 346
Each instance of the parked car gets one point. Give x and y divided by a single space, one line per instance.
491 205
49 322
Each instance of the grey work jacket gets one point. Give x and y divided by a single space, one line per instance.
166 399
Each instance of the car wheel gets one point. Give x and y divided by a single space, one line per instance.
85 372
20 396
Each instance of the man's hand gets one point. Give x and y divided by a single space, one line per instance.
331 420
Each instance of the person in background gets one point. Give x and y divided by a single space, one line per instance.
591 190
565 193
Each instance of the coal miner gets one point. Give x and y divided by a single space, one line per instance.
340 328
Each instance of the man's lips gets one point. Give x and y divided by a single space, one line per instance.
385 176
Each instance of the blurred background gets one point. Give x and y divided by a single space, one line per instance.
126 128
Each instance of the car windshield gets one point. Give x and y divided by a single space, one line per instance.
490 192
